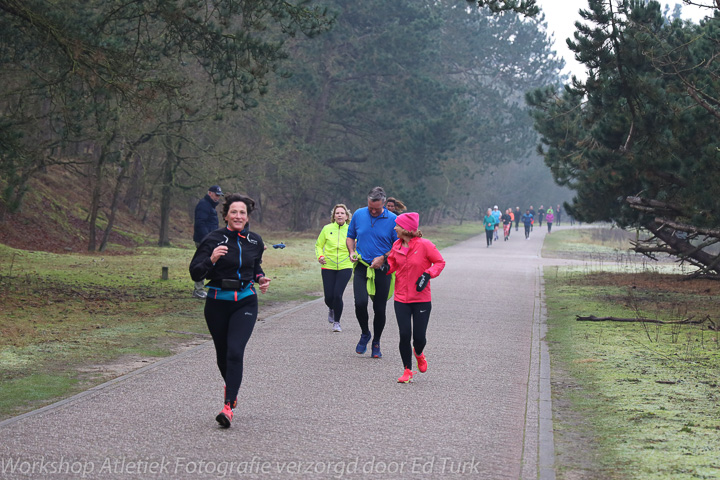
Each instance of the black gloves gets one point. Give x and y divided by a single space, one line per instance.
422 282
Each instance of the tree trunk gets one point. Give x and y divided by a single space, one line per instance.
167 180
113 208
135 186
95 199
683 248
675 238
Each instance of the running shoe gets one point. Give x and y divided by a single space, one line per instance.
362 344
331 316
336 327
406 376
225 417
202 294
376 350
421 362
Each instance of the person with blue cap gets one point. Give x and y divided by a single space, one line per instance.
206 221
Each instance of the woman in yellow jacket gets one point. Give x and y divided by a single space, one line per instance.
332 253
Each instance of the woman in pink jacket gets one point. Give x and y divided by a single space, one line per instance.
414 261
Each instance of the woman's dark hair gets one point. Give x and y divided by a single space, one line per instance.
237 197
399 206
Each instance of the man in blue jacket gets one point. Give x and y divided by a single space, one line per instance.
206 221
370 237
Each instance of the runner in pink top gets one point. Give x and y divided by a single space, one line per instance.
414 261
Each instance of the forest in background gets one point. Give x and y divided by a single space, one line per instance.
146 104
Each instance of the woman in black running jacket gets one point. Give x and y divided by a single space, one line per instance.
230 258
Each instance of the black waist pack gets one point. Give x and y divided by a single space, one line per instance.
230 284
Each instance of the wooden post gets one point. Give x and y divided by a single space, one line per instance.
164 273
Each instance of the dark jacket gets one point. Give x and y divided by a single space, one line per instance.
206 218
241 262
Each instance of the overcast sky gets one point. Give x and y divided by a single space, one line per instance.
561 16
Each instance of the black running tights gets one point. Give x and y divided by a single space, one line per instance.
412 319
231 324
489 236
379 301
334 283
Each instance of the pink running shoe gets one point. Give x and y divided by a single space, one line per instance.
421 362
225 417
406 377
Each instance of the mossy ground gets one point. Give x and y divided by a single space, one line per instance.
633 400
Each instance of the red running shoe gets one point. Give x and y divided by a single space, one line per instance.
225 417
422 363
406 377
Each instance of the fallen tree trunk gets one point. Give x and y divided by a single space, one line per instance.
689 243
686 321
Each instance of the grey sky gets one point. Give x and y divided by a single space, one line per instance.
561 16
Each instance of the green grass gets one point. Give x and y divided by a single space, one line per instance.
35 391
632 400
586 243
61 315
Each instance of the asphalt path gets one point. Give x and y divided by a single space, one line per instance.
310 407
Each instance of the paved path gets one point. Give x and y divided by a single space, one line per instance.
310 407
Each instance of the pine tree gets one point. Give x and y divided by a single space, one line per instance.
631 140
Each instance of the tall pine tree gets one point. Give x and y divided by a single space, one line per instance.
632 140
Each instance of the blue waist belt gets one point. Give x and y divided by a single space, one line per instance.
231 295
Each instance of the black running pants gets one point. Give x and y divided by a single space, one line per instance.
231 324
379 301
412 320
489 236
334 283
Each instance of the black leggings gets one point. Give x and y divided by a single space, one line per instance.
549 226
231 324
412 320
382 289
334 283
527 230
489 236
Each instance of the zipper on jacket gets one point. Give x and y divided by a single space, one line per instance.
337 248
239 257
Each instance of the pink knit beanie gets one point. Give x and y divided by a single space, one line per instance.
408 221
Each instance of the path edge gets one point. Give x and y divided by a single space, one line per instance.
112 383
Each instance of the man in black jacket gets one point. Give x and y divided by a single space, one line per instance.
206 221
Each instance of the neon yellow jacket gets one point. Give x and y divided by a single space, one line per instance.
331 244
